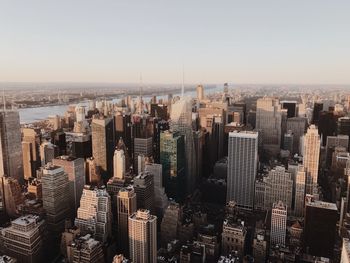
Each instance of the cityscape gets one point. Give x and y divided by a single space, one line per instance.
175 132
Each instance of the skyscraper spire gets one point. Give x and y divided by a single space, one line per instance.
183 81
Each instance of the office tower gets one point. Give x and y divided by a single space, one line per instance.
279 187
122 122
24 239
181 121
318 107
327 125
259 246
192 252
268 121
30 148
299 194
79 144
12 196
142 146
320 221
172 158
85 249
159 111
70 233
55 122
35 189
200 92
242 168
55 193
11 164
103 145
288 141
160 201
298 127
234 235
278 224
119 164
291 107
345 251
58 138
170 223
311 156
93 174
126 206
80 113
48 151
332 143
143 237
75 168
94 213
159 126
144 189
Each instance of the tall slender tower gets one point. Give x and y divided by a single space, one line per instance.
242 168
119 164
278 224
200 92
126 206
311 157
299 191
11 164
143 237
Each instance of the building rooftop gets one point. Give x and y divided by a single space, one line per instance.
321 204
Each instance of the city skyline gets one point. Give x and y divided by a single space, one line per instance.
271 42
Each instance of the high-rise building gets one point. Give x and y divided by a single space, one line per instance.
24 239
74 167
299 194
172 158
119 164
318 107
298 127
48 151
181 121
79 144
288 141
311 157
94 214
345 251
12 195
159 125
200 92
268 121
85 249
144 189
170 222
278 224
242 168
103 145
55 197
93 173
120 259
126 206
234 235
11 162
160 201
279 187
142 147
143 237
30 147
320 221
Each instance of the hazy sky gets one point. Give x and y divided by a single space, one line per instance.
262 41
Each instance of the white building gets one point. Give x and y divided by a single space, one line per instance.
278 224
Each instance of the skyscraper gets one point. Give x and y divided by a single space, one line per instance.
200 92
55 197
278 224
119 164
143 237
142 146
11 164
299 194
172 158
311 156
268 120
126 206
30 147
94 213
298 127
144 189
242 168
103 144
74 167
181 121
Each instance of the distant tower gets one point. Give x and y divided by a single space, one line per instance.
126 206
311 157
300 191
143 237
200 92
11 164
80 113
278 224
242 168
